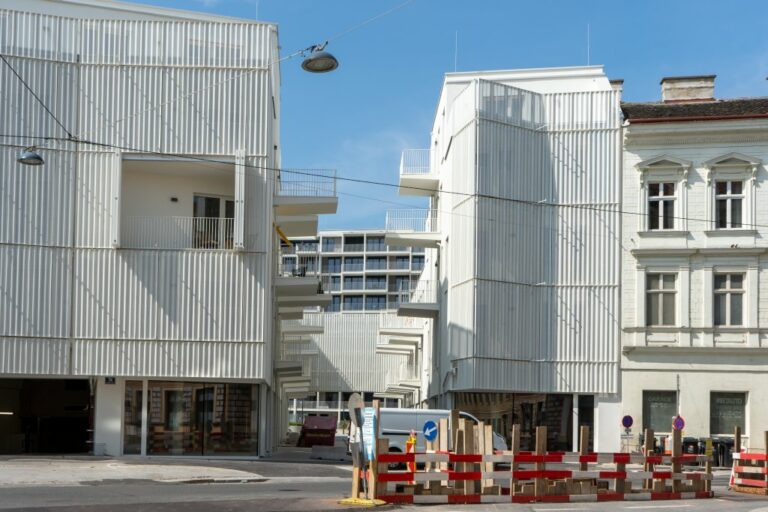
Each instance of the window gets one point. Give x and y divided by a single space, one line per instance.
213 222
660 301
331 244
332 265
307 246
659 407
377 263
399 284
376 283
418 263
353 303
353 243
729 299
726 411
375 302
353 282
375 244
331 283
402 263
335 304
353 263
661 206
729 199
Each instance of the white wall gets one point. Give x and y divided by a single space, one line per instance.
607 422
108 421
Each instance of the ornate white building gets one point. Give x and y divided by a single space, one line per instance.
695 258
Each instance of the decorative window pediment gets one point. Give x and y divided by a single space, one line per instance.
731 190
663 193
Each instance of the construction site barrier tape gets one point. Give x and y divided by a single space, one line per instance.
433 476
567 498
605 458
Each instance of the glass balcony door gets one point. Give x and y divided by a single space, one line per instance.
213 223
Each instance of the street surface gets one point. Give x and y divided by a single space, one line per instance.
289 482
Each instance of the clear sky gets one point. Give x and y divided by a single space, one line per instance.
382 98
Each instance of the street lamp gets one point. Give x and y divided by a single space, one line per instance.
30 157
319 61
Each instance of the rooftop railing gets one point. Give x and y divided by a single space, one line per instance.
307 182
415 161
178 233
416 220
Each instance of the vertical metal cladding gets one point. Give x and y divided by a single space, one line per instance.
169 295
548 262
73 304
34 291
344 357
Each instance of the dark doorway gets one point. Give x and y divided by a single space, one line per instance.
44 416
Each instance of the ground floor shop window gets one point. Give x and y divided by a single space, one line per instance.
726 411
659 407
200 418
134 392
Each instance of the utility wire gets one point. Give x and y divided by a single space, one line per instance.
529 202
40 101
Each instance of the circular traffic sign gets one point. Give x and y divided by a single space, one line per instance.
627 421
678 423
430 430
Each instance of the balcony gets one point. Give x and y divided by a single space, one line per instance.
417 178
393 326
416 228
210 233
296 280
301 195
419 300
331 284
312 323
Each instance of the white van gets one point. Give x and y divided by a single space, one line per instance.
396 425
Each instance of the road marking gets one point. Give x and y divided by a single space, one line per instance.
554 509
638 507
345 468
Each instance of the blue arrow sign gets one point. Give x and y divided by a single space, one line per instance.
430 430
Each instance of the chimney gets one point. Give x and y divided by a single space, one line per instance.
678 89
617 84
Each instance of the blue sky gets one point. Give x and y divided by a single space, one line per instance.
382 98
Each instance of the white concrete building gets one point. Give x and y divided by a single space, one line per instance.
695 274
341 345
519 299
138 265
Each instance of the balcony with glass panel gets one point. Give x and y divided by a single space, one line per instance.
353 264
417 176
418 299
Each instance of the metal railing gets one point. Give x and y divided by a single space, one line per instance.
376 264
415 161
390 320
353 247
375 285
294 269
178 233
309 320
419 221
423 291
307 182
353 284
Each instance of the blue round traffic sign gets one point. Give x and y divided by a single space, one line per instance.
627 421
678 423
430 430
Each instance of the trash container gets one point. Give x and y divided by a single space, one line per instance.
722 451
690 445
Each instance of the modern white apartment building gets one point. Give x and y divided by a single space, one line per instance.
366 281
695 280
518 305
141 304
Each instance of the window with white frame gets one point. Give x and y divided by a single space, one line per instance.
729 299
661 296
661 206
729 202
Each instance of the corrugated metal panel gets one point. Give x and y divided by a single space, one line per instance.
31 356
36 203
169 295
346 358
34 291
38 36
547 268
96 181
172 359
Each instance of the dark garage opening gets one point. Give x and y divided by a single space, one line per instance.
44 416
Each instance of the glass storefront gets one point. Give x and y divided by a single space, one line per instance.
192 418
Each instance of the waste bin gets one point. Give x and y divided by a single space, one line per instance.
690 445
722 451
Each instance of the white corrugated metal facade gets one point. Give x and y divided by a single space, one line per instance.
73 304
533 306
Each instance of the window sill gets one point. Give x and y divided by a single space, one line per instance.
663 233
731 232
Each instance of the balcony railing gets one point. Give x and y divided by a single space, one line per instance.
353 247
419 221
375 285
415 161
331 285
390 320
423 291
293 269
178 233
309 320
307 182
403 373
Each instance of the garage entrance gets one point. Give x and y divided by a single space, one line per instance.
45 416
